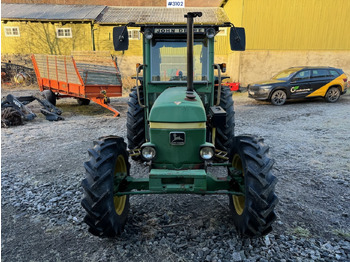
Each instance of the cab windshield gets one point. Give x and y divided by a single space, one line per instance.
169 60
286 74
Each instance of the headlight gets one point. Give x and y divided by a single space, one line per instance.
148 34
210 32
206 152
265 87
148 152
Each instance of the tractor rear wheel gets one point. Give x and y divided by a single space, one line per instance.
253 213
106 171
225 136
50 96
135 122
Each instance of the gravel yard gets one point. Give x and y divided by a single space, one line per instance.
42 168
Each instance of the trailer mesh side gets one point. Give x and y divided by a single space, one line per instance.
99 74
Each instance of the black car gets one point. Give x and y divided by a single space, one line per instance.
301 82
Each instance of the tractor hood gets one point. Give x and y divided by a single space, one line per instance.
173 107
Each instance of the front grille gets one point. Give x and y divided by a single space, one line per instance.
254 88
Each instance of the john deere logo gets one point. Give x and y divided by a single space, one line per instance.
177 138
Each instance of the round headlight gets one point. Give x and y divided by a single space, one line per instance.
148 34
210 32
206 152
148 152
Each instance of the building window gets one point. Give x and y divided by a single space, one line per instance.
222 31
64 32
11 31
134 34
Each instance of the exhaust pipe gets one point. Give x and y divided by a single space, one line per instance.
190 40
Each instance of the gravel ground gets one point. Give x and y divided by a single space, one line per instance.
42 167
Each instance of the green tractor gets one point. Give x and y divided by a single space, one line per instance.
180 121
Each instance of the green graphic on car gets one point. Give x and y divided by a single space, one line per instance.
294 88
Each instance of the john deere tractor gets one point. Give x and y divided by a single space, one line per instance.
180 121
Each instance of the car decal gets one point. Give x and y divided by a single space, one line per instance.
323 89
295 89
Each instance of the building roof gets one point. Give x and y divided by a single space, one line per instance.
42 12
162 3
161 15
111 15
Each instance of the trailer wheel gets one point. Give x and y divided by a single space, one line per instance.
50 96
83 101
225 136
253 213
106 171
135 122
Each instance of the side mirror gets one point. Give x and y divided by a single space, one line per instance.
237 39
120 38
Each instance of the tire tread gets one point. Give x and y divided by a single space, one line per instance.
225 136
135 122
260 198
98 188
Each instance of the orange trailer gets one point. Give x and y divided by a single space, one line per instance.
66 78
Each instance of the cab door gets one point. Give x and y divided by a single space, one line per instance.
300 84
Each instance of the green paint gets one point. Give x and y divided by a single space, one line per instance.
164 181
175 181
172 106
177 156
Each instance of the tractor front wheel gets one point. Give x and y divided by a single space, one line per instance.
253 213
106 171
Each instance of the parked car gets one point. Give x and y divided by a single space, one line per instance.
301 82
